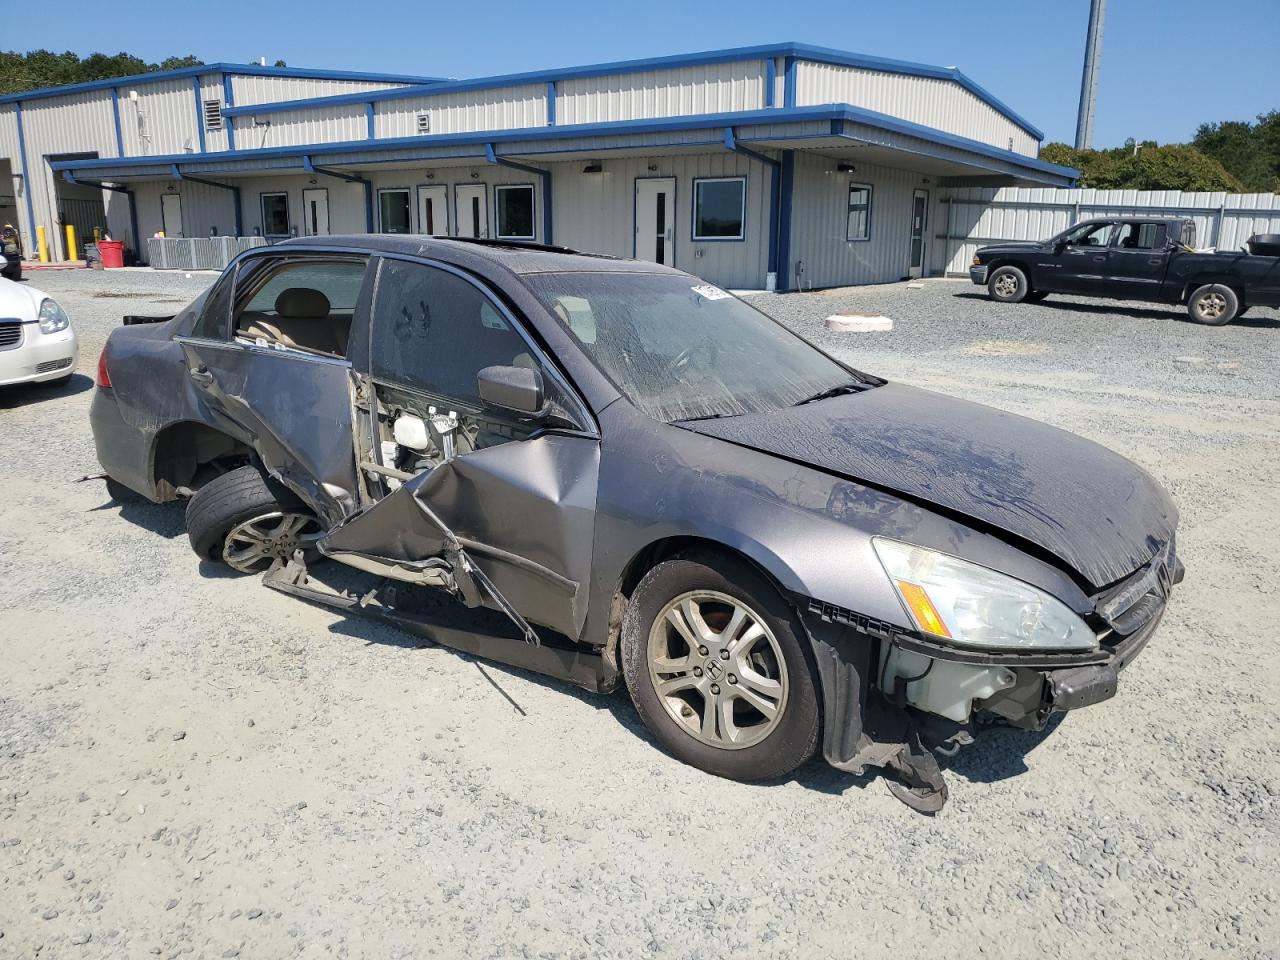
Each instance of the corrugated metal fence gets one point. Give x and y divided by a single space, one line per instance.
197 253
968 217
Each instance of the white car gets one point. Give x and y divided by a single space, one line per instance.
37 343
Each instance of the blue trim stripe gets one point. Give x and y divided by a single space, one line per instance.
228 100
789 86
790 52
551 103
370 122
717 121
195 88
115 113
770 80
775 186
234 69
788 178
30 245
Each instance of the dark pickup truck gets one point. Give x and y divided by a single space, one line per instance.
1132 258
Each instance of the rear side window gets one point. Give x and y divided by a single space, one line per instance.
435 331
299 304
212 322
1140 236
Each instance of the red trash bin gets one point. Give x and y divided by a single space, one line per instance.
112 252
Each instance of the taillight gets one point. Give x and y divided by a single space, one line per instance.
104 379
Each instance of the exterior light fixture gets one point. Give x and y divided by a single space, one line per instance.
595 166
846 168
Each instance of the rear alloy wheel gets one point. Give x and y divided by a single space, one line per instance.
1213 305
1008 285
714 661
249 521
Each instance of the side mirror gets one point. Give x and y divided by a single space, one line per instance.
512 388
1059 246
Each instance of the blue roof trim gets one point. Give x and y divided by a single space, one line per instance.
794 51
232 69
661 124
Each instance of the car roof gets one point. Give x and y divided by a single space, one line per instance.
514 256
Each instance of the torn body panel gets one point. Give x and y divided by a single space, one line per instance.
295 410
524 512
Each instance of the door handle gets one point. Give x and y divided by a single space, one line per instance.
668 233
201 375
1100 259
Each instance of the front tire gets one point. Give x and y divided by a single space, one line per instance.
1008 285
716 665
248 521
1213 305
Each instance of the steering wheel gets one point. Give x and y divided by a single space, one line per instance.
681 359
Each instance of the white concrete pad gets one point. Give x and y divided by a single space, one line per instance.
858 323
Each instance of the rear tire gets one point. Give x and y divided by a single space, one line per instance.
1008 285
248 521
1213 305
743 712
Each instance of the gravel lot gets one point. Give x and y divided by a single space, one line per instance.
191 764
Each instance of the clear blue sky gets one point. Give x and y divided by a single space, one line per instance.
1167 65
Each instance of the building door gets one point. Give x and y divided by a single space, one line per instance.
919 223
655 219
315 212
433 210
171 214
472 200
393 211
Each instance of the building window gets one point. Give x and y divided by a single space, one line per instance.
275 214
393 211
719 208
859 223
515 212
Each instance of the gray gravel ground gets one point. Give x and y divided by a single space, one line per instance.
192 765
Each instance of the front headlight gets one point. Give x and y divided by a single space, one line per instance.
52 317
971 606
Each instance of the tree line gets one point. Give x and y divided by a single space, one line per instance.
20 72
1237 156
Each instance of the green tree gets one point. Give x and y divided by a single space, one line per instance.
20 72
1145 166
1249 151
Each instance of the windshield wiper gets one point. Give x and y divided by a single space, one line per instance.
855 386
708 416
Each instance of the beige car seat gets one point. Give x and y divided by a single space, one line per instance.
302 319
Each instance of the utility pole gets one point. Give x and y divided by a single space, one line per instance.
1089 81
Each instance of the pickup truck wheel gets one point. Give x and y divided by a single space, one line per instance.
1008 285
716 665
248 521
1214 305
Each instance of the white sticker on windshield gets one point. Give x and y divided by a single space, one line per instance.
710 292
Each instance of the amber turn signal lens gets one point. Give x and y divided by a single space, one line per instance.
922 608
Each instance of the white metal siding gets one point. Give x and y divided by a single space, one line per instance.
940 104
976 216
502 109
820 254
162 121
596 212
211 89
251 90
711 88
332 124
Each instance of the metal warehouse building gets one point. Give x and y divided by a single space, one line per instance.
783 165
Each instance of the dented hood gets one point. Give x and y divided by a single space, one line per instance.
1097 512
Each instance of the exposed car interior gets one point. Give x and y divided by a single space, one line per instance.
304 306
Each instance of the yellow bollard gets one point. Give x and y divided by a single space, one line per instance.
72 254
42 244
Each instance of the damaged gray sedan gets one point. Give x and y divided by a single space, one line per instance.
627 473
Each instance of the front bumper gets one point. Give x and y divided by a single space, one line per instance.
978 274
39 357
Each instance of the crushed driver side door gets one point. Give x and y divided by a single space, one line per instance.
496 506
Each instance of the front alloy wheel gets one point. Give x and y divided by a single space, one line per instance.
718 666
718 669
